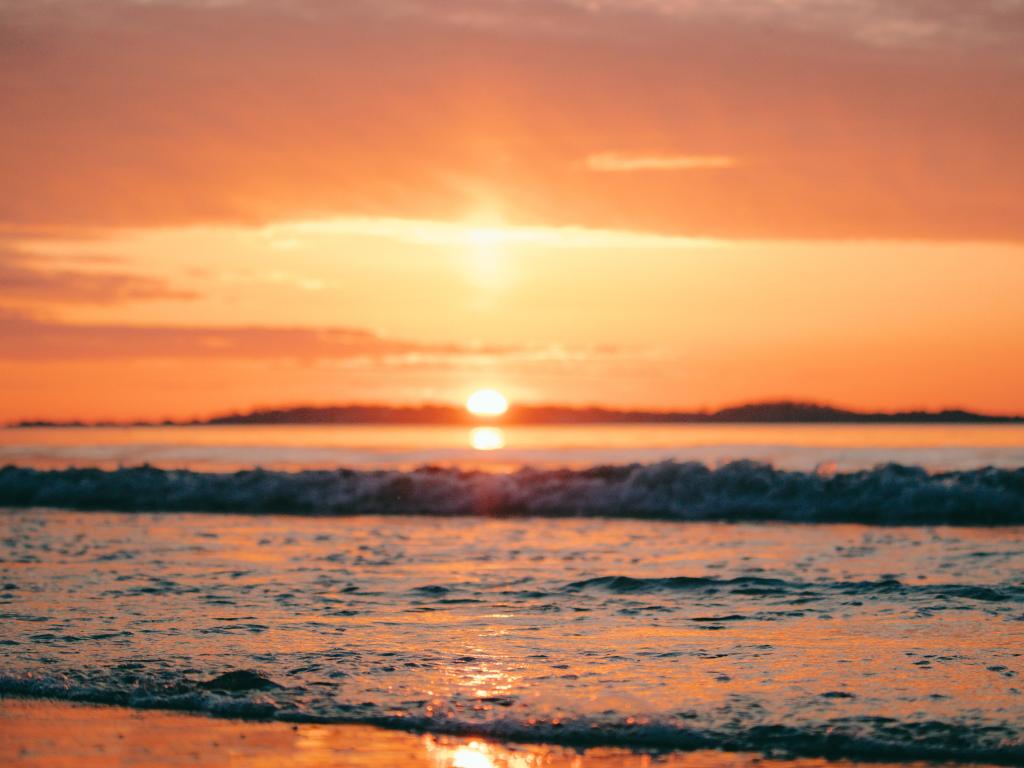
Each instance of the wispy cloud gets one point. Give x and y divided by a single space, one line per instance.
25 337
27 278
621 162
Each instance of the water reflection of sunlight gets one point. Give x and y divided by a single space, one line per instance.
313 739
486 438
484 681
478 754
471 756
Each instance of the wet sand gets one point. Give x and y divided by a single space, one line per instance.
48 734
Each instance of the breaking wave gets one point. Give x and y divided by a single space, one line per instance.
886 495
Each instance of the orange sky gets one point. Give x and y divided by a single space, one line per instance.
210 206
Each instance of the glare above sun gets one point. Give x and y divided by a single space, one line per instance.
487 402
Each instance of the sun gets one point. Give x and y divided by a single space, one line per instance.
487 402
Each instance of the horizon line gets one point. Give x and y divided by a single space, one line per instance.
753 411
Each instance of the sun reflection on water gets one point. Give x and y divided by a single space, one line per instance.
472 756
486 438
479 754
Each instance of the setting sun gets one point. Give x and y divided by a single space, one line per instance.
487 402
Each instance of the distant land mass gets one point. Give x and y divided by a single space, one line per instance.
775 412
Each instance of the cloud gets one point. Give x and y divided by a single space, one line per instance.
868 119
24 337
618 162
25 278
29 338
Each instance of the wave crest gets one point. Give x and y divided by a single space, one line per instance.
886 495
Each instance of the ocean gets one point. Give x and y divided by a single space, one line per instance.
847 592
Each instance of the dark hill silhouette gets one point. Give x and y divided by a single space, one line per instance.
773 412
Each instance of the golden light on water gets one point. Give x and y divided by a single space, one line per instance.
472 755
480 754
487 402
487 438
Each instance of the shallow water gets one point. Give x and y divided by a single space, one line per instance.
837 640
101 736
572 620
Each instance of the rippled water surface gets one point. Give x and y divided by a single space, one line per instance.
843 640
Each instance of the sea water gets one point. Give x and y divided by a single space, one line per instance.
521 604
